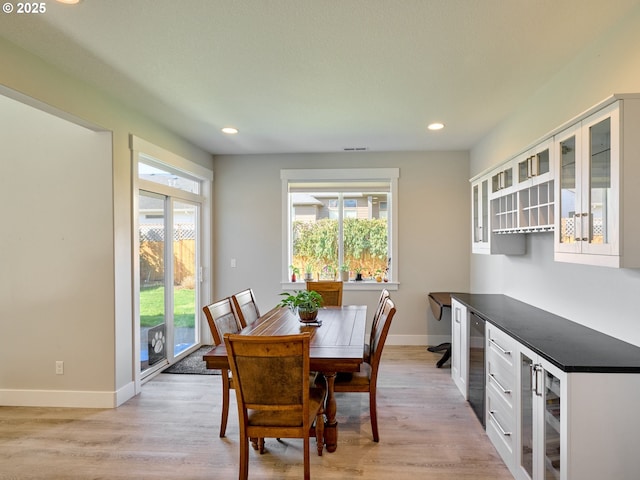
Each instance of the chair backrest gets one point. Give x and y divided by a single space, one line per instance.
222 319
272 376
379 333
384 294
330 291
246 307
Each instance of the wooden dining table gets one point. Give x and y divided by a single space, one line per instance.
337 345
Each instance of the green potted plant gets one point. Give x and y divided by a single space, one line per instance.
308 272
358 271
294 271
328 272
306 302
344 272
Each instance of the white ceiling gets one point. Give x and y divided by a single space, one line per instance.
318 75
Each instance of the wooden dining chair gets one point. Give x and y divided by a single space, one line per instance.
365 381
331 291
222 319
274 396
384 294
245 306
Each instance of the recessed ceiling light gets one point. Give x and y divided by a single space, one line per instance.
69 2
230 130
436 126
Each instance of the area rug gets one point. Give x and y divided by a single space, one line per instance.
193 364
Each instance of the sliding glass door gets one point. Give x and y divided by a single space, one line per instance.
169 211
185 266
152 298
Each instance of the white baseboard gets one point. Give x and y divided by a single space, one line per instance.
66 398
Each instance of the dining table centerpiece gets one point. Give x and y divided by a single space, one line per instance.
305 302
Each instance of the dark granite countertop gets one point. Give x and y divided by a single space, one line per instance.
568 345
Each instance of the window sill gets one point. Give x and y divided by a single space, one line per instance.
351 285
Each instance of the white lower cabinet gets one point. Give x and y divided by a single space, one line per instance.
501 393
459 347
547 424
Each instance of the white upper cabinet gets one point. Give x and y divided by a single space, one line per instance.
480 216
488 238
596 188
536 165
503 179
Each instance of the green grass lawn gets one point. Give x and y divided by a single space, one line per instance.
152 307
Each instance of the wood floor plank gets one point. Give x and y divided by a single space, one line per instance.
170 430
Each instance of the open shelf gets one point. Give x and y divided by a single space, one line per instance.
526 211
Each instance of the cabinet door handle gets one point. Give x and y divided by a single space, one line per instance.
504 352
504 390
534 165
537 370
585 223
502 430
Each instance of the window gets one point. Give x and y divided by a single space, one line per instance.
335 218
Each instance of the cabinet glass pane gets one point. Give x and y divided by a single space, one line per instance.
485 211
523 170
567 190
508 177
476 214
543 162
551 427
600 181
526 409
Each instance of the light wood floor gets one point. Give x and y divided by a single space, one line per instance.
170 431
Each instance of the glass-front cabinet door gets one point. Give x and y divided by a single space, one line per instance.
568 205
535 166
541 446
587 185
600 190
525 444
480 218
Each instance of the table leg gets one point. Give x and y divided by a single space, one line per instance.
331 425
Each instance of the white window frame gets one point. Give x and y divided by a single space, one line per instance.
390 175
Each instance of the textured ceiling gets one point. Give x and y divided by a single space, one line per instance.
318 75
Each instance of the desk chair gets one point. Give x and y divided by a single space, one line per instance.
244 304
222 319
366 379
273 393
330 291
438 301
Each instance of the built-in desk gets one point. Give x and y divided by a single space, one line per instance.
561 398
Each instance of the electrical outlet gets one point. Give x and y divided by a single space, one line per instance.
59 367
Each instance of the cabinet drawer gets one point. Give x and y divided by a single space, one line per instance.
501 378
501 345
501 424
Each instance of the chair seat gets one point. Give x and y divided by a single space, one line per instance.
358 381
287 419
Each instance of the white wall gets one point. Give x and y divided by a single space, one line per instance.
433 221
96 345
598 297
